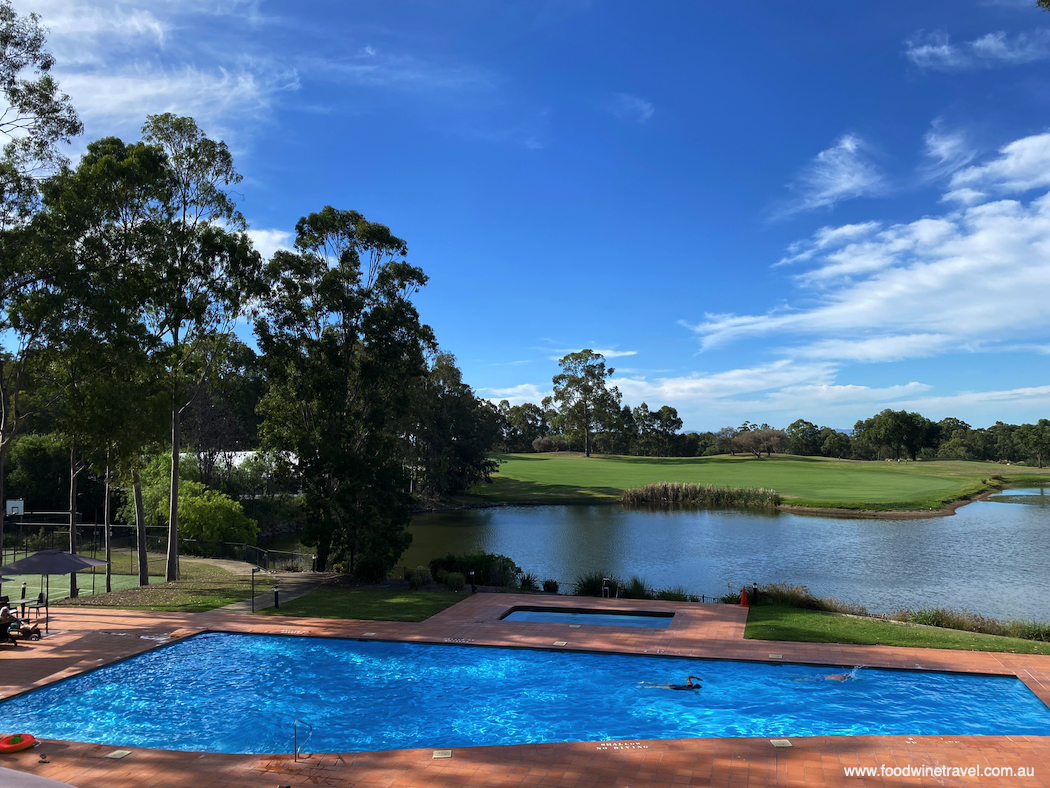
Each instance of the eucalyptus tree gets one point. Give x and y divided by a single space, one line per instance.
200 277
95 226
583 393
343 349
1034 439
35 117
452 433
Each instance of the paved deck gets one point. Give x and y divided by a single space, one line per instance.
86 638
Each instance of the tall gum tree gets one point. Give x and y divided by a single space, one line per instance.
35 118
343 349
203 273
583 393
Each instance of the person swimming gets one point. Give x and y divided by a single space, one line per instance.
689 685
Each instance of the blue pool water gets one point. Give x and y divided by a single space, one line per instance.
241 694
553 616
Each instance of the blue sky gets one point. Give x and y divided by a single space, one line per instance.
760 210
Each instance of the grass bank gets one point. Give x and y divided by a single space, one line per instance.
816 482
368 604
775 622
202 587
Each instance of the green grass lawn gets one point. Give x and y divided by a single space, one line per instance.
801 481
370 604
202 587
770 622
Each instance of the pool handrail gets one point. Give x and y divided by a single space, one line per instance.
295 738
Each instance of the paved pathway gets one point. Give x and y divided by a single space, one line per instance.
290 585
86 638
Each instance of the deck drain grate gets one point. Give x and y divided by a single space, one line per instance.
560 643
776 656
118 754
368 634
780 742
574 626
442 754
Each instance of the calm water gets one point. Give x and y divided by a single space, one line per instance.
241 693
992 557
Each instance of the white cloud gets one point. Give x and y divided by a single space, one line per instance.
842 172
603 353
267 242
966 281
629 108
720 385
1022 165
947 151
123 97
826 237
516 395
935 50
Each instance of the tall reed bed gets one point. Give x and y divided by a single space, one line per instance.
671 494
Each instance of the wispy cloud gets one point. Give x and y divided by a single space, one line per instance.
1021 165
968 280
842 172
628 108
946 151
935 50
375 67
604 353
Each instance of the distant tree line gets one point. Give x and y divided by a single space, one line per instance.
586 414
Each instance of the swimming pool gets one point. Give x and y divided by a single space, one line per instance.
241 694
609 618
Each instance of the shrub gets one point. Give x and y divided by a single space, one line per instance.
441 575
455 581
528 582
370 569
489 569
590 584
550 586
636 588
676 594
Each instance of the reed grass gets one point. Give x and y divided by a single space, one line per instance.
675 494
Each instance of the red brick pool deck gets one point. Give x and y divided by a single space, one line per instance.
86 638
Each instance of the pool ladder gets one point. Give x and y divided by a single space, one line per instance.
296 748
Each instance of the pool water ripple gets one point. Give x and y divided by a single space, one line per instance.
242 693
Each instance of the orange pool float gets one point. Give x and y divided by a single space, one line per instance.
14 742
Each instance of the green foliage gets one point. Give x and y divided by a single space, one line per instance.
636 588
677 594
550 586
591 583
581 389
455 581
453 433
212 516
343 353
528 582
419 577
489 569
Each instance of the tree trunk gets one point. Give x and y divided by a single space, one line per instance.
3 461
140 530
74 592
172 567
105 526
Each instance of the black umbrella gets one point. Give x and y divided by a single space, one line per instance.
51 562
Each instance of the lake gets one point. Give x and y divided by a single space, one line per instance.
991 557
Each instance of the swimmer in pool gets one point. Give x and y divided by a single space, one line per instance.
689 685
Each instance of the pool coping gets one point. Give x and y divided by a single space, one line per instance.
94 637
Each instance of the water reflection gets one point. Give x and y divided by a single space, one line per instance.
990 558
